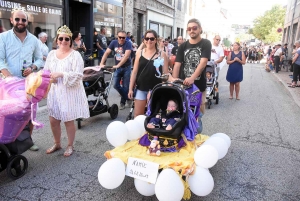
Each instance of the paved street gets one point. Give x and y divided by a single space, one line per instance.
262 163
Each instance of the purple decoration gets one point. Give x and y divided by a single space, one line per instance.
144 141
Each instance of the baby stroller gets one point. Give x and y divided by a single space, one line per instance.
10 155
189 101
95 83
212 84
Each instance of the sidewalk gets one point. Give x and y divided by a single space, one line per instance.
285 79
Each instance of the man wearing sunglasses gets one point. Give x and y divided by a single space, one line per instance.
217 53
122 50
16 46
191 60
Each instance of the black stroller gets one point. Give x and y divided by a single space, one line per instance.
10 155
95 83
189 101
212 84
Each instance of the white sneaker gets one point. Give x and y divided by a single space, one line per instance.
122 106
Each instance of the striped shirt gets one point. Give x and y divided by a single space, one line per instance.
13 52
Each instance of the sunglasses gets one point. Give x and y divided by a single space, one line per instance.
151 38
123 38
62 38
194 28
18 19
218 39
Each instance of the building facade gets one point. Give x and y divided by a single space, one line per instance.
291 30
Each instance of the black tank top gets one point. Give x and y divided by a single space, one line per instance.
147 79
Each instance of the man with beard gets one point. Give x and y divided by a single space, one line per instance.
17 46
191 60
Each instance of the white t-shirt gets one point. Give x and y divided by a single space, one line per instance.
277 52
216 53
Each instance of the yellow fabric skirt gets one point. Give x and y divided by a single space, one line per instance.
182 161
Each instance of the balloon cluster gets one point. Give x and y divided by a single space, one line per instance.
117 133
168 186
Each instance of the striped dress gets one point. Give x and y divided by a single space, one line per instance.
66 99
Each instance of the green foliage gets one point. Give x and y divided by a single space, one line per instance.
265 27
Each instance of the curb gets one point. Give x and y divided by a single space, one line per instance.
297 101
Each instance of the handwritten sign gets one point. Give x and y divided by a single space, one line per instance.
142 169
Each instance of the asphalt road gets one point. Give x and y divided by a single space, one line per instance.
262 163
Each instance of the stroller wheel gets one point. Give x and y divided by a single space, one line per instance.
209 103
113 111
217 98
17 167
129 117
79 123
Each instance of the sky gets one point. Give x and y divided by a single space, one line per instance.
245 11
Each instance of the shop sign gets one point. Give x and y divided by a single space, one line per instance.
118 25
109 19
8 6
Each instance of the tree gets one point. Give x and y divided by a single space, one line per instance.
265 26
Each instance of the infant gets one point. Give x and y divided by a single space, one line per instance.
208 77
166 119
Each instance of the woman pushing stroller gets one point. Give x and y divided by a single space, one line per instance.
149 65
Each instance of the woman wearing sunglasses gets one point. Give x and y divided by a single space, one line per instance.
149 64
66 100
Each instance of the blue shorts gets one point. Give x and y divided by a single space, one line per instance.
141 95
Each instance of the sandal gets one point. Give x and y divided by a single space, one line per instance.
54 148
68 151
292 86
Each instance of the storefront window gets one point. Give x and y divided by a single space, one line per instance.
47 18
108 16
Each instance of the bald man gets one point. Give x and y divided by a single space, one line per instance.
16 46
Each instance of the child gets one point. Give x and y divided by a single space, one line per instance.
166 119
208 77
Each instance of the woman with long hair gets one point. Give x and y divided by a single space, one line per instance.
236 59
149 64
78 44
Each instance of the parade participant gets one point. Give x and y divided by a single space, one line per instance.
44 48
66 100
217 53
122 49
191 61
78 44
145 74
17 49
236 59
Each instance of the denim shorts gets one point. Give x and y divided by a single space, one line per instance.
141 95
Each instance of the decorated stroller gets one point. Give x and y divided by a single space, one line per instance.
212 84
18 105
96 84
167 163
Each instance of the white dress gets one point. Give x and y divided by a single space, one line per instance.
66 99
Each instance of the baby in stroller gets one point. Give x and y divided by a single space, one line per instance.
208 77
167 118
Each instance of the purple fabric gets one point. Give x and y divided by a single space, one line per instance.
195 98
181 143
171 149
144 141
14 109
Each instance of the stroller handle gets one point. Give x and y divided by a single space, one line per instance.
109 68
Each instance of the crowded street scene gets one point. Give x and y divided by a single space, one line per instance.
164 100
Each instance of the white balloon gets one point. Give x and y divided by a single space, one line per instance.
111 174
144 188
141 119
201 182
116 133
206 156
224 137
169 186
220 145
134 130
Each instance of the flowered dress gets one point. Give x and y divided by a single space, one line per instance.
66 99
